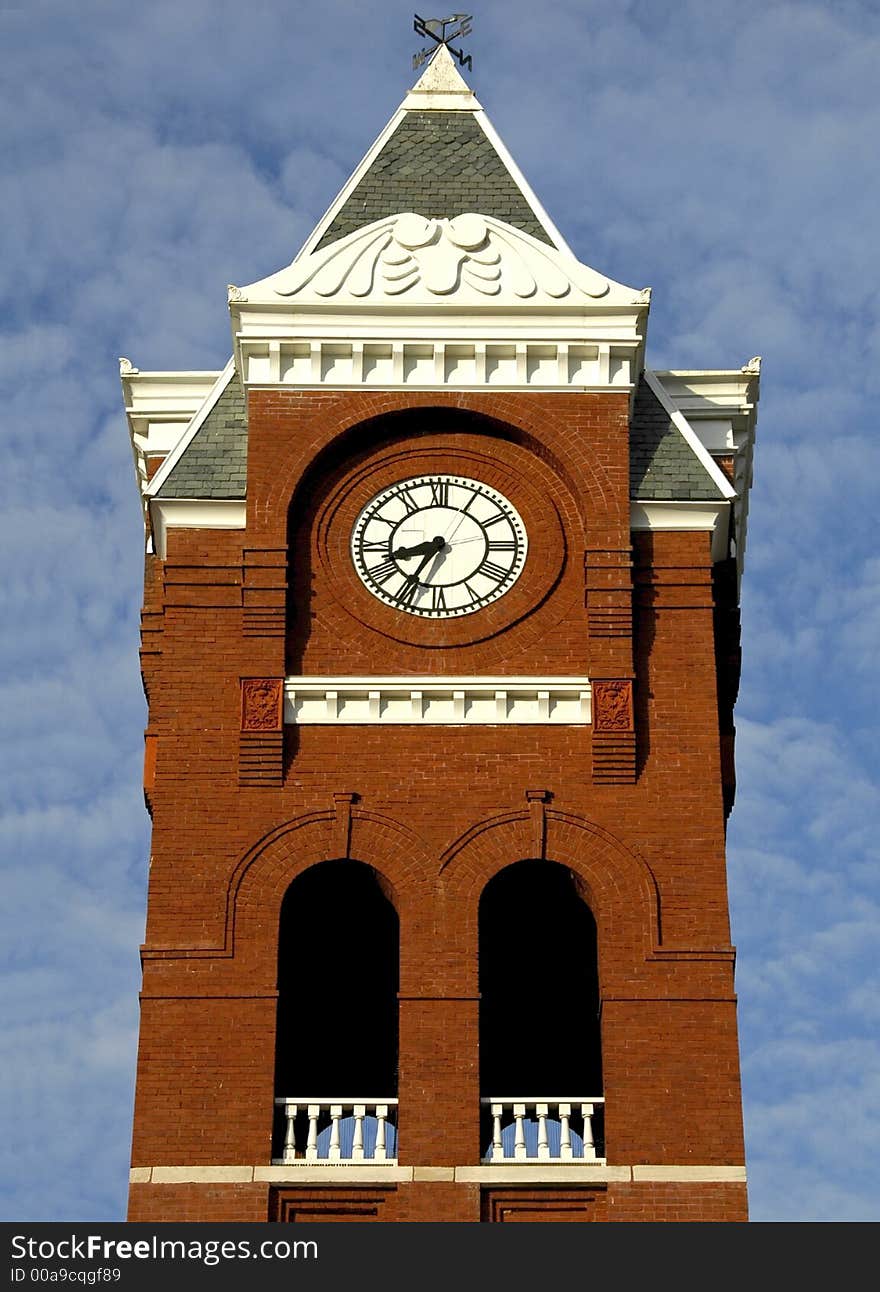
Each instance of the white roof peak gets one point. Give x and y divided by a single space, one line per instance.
441 85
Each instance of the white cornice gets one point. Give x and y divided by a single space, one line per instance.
193 513
513 360
685 516
389 304
432 701
158 406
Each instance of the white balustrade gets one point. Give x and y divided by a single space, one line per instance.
339 1132
543 1130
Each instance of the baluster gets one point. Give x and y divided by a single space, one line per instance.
314 1111
335 1114
565 1152
519 1141
357 1146
289 1154
543 1141
497 1146
589 1146
381 1114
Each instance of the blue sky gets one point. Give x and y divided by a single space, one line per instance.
724 153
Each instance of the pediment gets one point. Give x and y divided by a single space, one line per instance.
472 259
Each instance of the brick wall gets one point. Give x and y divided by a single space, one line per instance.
437 811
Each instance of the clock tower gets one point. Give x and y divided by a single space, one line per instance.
440 644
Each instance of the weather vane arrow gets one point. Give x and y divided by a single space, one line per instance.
436 29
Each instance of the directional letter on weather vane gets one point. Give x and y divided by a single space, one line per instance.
435 29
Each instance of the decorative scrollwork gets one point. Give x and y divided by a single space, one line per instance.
470 253
612 705
261 704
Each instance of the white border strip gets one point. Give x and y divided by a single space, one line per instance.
194 513
667 515
522 1173
349 186
437 701
523 184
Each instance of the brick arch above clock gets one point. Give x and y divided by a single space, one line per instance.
334 624
582 437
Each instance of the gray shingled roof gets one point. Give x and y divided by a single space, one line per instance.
662 465
214 463
438 164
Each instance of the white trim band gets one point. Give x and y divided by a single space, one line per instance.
524 1173
194 513
437 701
708 516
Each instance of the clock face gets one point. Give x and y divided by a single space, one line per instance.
439 546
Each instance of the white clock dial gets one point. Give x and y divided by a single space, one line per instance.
439 546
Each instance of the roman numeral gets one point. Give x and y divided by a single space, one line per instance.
438 599
493 520
407 502
502 545
382 572
406 594
381 546
492 571
440 493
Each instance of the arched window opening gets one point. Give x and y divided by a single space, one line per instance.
336 1040
540 1052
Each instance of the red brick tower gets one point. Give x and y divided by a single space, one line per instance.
440 644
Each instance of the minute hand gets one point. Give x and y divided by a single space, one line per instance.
422 563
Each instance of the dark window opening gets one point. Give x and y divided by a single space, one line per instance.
338 957
539 989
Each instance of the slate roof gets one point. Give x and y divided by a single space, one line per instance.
437 164
214 463
662 465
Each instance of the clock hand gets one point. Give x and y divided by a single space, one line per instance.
428 548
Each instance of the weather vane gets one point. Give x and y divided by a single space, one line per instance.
435 29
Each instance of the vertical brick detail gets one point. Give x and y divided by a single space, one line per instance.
264 591
261 741
614 738
537 801
342 834
608 592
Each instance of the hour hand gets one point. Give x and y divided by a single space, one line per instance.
428 548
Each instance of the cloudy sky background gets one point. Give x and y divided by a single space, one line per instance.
724 153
